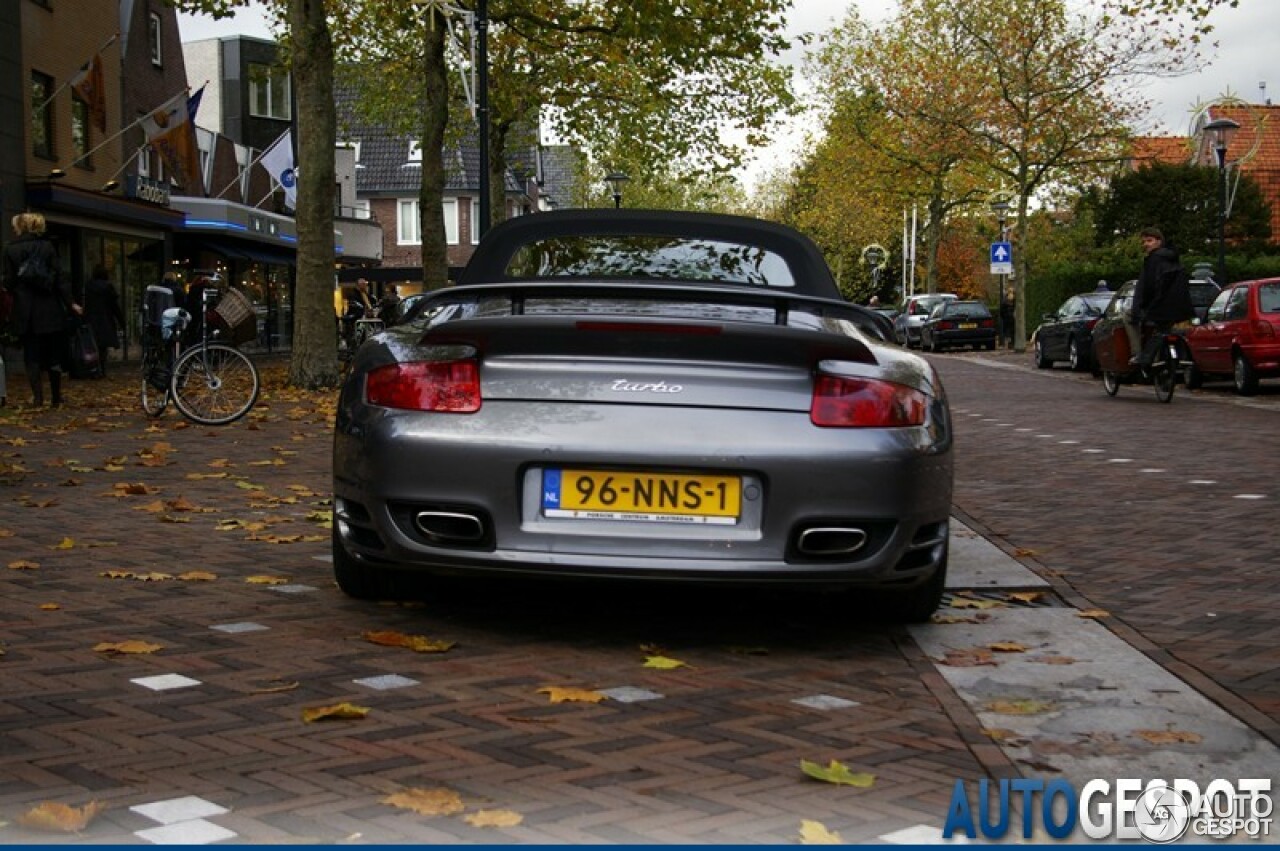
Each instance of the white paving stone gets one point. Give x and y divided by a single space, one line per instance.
198 832
173 810
630 694
243 626
922 834
385 682
293 589
826 701
164 682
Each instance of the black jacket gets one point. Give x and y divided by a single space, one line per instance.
102 309
40 306
1162 294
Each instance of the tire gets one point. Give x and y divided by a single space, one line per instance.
357 580
1164 378
1110 382
1074 357
154 399
1042 362
918 604
1195 378
214 384
1244 376
991 347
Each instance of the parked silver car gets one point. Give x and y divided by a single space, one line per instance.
644 395
915 310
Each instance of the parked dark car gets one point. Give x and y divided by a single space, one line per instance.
1067 333
955 323
644 395
1239 337
915 310
1203 292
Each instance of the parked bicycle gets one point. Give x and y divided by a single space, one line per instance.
209 382
361 330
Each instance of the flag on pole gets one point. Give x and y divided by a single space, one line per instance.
91 87
278 161
172 133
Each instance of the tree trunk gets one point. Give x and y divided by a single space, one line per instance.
314 363
435 250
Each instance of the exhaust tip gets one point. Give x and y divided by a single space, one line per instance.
450 527
831 540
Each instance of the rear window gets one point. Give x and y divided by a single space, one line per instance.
965 310
1203 293
639 256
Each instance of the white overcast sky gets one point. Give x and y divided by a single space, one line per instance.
1246 56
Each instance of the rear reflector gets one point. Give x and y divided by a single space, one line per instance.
447 387
865 403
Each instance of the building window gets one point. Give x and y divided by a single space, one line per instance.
475 221
408 225
80 139
144 161
269 92
363 210
451 221
157 45
41 115
415 152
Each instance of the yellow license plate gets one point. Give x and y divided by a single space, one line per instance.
968 326
626 495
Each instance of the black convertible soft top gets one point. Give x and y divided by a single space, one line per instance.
493 256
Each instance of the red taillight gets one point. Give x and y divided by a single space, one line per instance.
946 325
865 403
451 386
987 323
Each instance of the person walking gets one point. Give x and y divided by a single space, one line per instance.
42 301
102 308
1161 298
1008 318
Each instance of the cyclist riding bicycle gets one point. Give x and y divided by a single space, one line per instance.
1161 299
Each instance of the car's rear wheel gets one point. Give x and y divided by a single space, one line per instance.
359 580
1244 376
1110 382
918 604
1073 356
1042 362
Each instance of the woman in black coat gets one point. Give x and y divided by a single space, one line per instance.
42 300
102 307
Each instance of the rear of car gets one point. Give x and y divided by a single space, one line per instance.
955 323
915 310
1240 335
674 397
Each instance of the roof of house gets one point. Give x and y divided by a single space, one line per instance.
1174 150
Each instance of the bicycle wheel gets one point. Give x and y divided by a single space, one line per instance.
1110 382
155 394
1164 377
214 384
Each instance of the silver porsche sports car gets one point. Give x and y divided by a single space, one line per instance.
648 396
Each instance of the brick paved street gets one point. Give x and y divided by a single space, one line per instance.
707 753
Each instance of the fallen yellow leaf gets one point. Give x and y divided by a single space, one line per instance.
663 663
999 734
337 712
23 564
1169 737
837 773
416 643
493 818
427 802
559 694
1008 647
816 833
1025 596
49 607
54 817
1093 613
1052 659
197 576
267 580
131 646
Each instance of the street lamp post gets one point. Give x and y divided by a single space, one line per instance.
1001 209
1222 130
615 179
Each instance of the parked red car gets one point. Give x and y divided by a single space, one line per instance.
1239 337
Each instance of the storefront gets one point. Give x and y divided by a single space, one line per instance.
253 250
129 236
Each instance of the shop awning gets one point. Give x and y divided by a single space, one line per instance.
245 250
